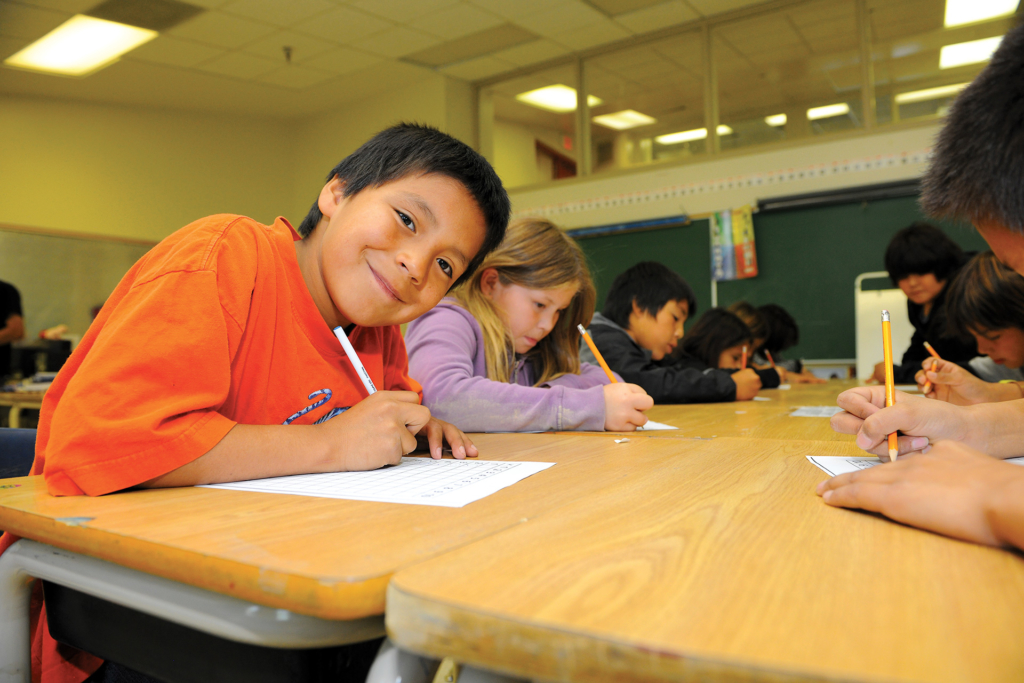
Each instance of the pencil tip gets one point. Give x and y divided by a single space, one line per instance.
893 452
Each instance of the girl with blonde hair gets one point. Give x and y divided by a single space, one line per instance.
502 352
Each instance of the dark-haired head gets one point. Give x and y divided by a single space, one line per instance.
412 149
782 328
920 249
753 319
717 331
651 285
978 161
985 296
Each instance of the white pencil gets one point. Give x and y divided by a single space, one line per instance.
356 363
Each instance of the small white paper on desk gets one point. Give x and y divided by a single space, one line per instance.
415 481
816 411
652 425
907 388
784 387
834 465
761 398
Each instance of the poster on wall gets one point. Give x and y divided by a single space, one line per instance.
733 256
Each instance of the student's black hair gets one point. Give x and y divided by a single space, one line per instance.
985 296
978 162
921 248
752 317
716 331
413 149
651 285
783 331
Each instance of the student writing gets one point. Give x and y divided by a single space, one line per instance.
502 353
717 341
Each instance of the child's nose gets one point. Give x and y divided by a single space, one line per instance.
416 265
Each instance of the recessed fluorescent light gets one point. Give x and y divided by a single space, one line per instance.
968 11
968 53
624 120
775 120
828 111
690 135
723 129
80 46
929 94
556 98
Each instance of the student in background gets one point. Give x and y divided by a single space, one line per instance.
783 334
922 260
717 341
986 302
958 488
13 325
502 355
214 358
758 326
641 325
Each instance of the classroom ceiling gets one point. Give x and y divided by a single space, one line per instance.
291 58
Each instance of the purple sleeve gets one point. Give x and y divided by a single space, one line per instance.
445 357
590 376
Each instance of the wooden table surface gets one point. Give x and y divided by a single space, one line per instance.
17 400
717 563
317 556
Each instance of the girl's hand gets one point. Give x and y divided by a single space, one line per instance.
747 384
953 384
436 432
806 378
623 407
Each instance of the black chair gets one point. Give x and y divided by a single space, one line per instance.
17 450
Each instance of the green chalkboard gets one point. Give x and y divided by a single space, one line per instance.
807 261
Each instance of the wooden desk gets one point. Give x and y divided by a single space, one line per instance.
720 564
18 400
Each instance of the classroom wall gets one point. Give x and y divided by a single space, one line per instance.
134 172
515 153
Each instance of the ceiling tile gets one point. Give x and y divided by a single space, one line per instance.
8 45
561 19
401 11
659 16
174 52
532 52
709 8
69 6
22 21
295 77
208 4
303 47
457 21
396 41
343 60
277 12
240 65
605 31
478 68
343 25
520 8
222 30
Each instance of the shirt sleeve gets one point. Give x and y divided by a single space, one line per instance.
442 346
590 376
144 399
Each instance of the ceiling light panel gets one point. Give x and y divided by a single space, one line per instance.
624 120
929 94
960 12
776 120
80 46
971 52
828 111
682 136
557 98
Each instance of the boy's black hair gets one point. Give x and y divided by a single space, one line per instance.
782 328
752 317
716 331
978 162
985 296
410 148
921 248
651 285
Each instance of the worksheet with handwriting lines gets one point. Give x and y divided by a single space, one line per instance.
816 411
415 481
834 465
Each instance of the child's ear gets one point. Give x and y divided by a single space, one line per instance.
331 196
637 311
488 282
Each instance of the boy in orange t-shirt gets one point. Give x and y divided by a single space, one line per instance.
214 358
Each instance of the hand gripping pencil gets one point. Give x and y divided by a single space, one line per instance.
935 365
356 363
890 381
597 354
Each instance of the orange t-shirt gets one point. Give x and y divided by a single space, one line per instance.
213 327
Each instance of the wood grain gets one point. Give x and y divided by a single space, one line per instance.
720 565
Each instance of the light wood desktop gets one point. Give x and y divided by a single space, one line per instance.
19 400
718 565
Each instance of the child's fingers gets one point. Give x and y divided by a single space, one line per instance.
435 439
460 443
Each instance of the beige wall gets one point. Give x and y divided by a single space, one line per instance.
137 173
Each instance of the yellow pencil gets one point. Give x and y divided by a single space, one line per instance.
743 364
771 360
597 354
935 365
890 381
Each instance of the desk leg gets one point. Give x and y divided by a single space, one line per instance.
15 589
14 419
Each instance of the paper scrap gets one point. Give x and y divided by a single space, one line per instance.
761 398
784 387
652 425
816 411
621 440
414 481
834 465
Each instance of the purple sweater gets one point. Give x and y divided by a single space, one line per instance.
446 356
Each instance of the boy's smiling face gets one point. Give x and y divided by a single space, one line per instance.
388 254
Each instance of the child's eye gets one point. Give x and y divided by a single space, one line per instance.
406 220
445 266
539 305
